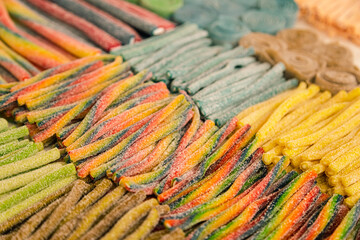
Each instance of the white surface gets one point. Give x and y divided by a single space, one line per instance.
326 38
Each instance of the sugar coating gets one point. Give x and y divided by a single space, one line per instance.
97 210
125 204
128 220
40 159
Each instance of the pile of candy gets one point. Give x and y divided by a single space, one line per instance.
63 95
179 50
336 17
228 194
112 123
28 175
276 205
237 198
219 85
79 210
228 20
137 17
54 47
224 148
33 40
42 197
226 96
316 131
307 58
117 19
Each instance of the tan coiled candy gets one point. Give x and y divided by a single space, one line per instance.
299 38
261 43
335 79
335 54
299 64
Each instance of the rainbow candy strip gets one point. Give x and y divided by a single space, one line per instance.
159 99
30 50
20 60
240 168
42 87
288 222
347 224
13 67
39 24
297 201
41 43
64 120
195 124
96 75
121 148
208 227
106 143
98 109
117 123
62 68
160 132
155 155
206 131
99 36
232 167
224 152
237 177
136 182
245 217
164 148
66 93
325 217
145 124
46 79
232 208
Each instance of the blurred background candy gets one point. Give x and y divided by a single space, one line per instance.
234 17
